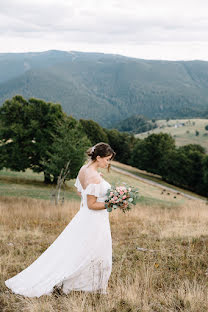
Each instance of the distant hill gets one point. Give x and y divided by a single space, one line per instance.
184 131
107 88
135 124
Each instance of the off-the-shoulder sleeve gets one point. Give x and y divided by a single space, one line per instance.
94 189
78 185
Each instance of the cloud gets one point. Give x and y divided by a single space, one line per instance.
29 16
112 23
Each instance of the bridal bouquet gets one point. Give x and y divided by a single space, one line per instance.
122 197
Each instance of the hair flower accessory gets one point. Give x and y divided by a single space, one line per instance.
93 148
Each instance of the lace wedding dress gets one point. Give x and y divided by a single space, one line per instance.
81 256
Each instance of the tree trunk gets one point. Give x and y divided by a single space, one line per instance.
47 178
55 180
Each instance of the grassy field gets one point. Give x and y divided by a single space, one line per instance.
153 177
185 134
169 276
28 184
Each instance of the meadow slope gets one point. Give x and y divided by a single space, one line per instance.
183 134
168 275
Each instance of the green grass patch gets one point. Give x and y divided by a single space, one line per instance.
29 184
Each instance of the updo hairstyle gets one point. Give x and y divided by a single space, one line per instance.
100 149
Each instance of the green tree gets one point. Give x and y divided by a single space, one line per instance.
195 179
205 176
185 167
139 156
122 144
135 124
148 154
69 146
94 131
44 123
176 168
15 134
193 148
27 132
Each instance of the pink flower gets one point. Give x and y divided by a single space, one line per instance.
121 192
115 198
124 197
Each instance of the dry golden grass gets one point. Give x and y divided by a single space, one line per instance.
170 278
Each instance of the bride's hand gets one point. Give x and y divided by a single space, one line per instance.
124 206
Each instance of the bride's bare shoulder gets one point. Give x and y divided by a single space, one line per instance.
88 175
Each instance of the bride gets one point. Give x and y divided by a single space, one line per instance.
81 256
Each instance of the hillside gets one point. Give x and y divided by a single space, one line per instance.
159 258
107 88
183 131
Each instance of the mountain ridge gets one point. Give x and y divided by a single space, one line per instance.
107 87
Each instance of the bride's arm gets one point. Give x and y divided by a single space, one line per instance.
93 204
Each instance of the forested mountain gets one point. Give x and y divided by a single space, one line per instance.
107 88
135 124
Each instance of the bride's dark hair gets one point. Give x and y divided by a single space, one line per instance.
101 149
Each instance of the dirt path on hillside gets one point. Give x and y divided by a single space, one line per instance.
155 184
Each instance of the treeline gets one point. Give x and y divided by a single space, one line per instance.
185 166
40 136
136 124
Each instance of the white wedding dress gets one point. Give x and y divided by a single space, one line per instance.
81 256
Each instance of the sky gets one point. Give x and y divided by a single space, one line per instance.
147 29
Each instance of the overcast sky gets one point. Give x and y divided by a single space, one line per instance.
148 29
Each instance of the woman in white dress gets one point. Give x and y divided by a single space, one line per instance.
81 256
